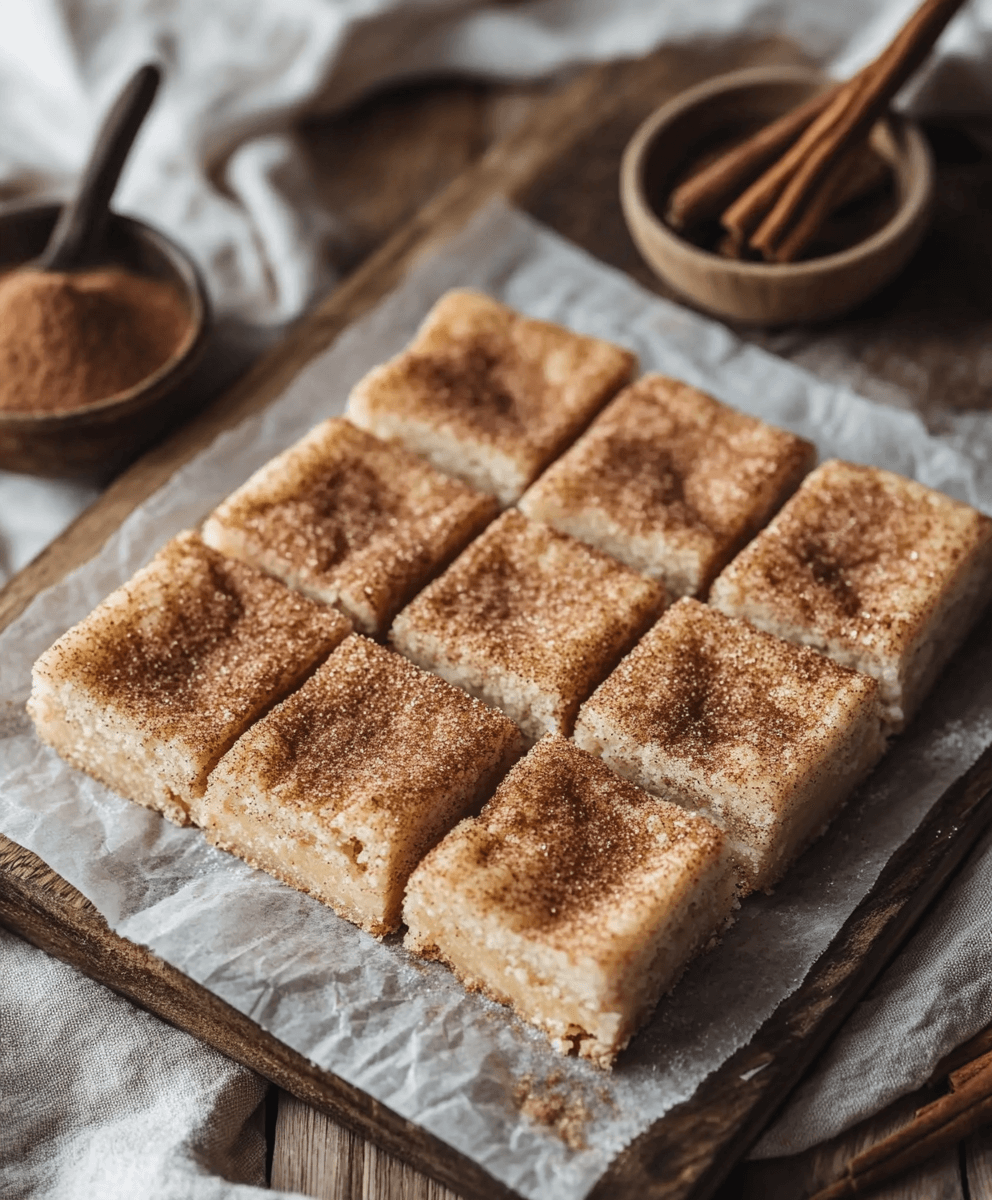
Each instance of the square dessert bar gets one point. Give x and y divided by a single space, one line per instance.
489 395
877 571
529 620
766 738
159 680
348 519
671 482
574 896
345 786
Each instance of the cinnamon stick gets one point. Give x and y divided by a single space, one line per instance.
934 1128
794 179
865 170
968 1072
965 1054
742 218
708 192
859 172
845 180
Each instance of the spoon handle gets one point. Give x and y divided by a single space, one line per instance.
78 234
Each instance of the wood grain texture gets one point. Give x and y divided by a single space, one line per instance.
939 1179
800 1176
378 164
560 164
978 1164
315 1155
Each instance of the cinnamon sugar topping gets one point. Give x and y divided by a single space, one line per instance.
481 367
350 520
330 514
483 378
565 841
196 643
530 600
371 730
861 556
487 394
578 840
666 470
526 602
705 686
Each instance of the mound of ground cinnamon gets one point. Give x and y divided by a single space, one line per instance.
67 340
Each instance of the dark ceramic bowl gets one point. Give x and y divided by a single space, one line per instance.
97 439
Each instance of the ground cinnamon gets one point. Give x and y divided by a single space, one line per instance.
67 340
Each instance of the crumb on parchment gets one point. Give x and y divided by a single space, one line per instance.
549 1103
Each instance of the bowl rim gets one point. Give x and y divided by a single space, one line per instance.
164 377
911 208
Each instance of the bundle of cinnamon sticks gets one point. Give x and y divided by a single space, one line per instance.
773 192
935 1128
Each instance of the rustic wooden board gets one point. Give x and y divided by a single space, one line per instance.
561 166
315 1155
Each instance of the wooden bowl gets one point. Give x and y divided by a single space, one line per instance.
755 292
95 440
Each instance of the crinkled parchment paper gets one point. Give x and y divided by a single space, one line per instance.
405 1032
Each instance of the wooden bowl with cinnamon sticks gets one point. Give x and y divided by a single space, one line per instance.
730 191
688 171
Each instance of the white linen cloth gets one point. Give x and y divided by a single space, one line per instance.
101 1100
937 993
238 76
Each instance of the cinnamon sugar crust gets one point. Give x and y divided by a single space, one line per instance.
876 570
529 620
349 520
670 481
489 395
766 738
159 680
575 896
343 787
567 844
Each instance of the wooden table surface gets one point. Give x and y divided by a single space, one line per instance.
313 1155
922 344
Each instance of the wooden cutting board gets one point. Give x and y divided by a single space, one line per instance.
561 167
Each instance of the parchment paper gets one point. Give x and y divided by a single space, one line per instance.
403 1031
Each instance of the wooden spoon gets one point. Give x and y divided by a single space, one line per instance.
79 232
